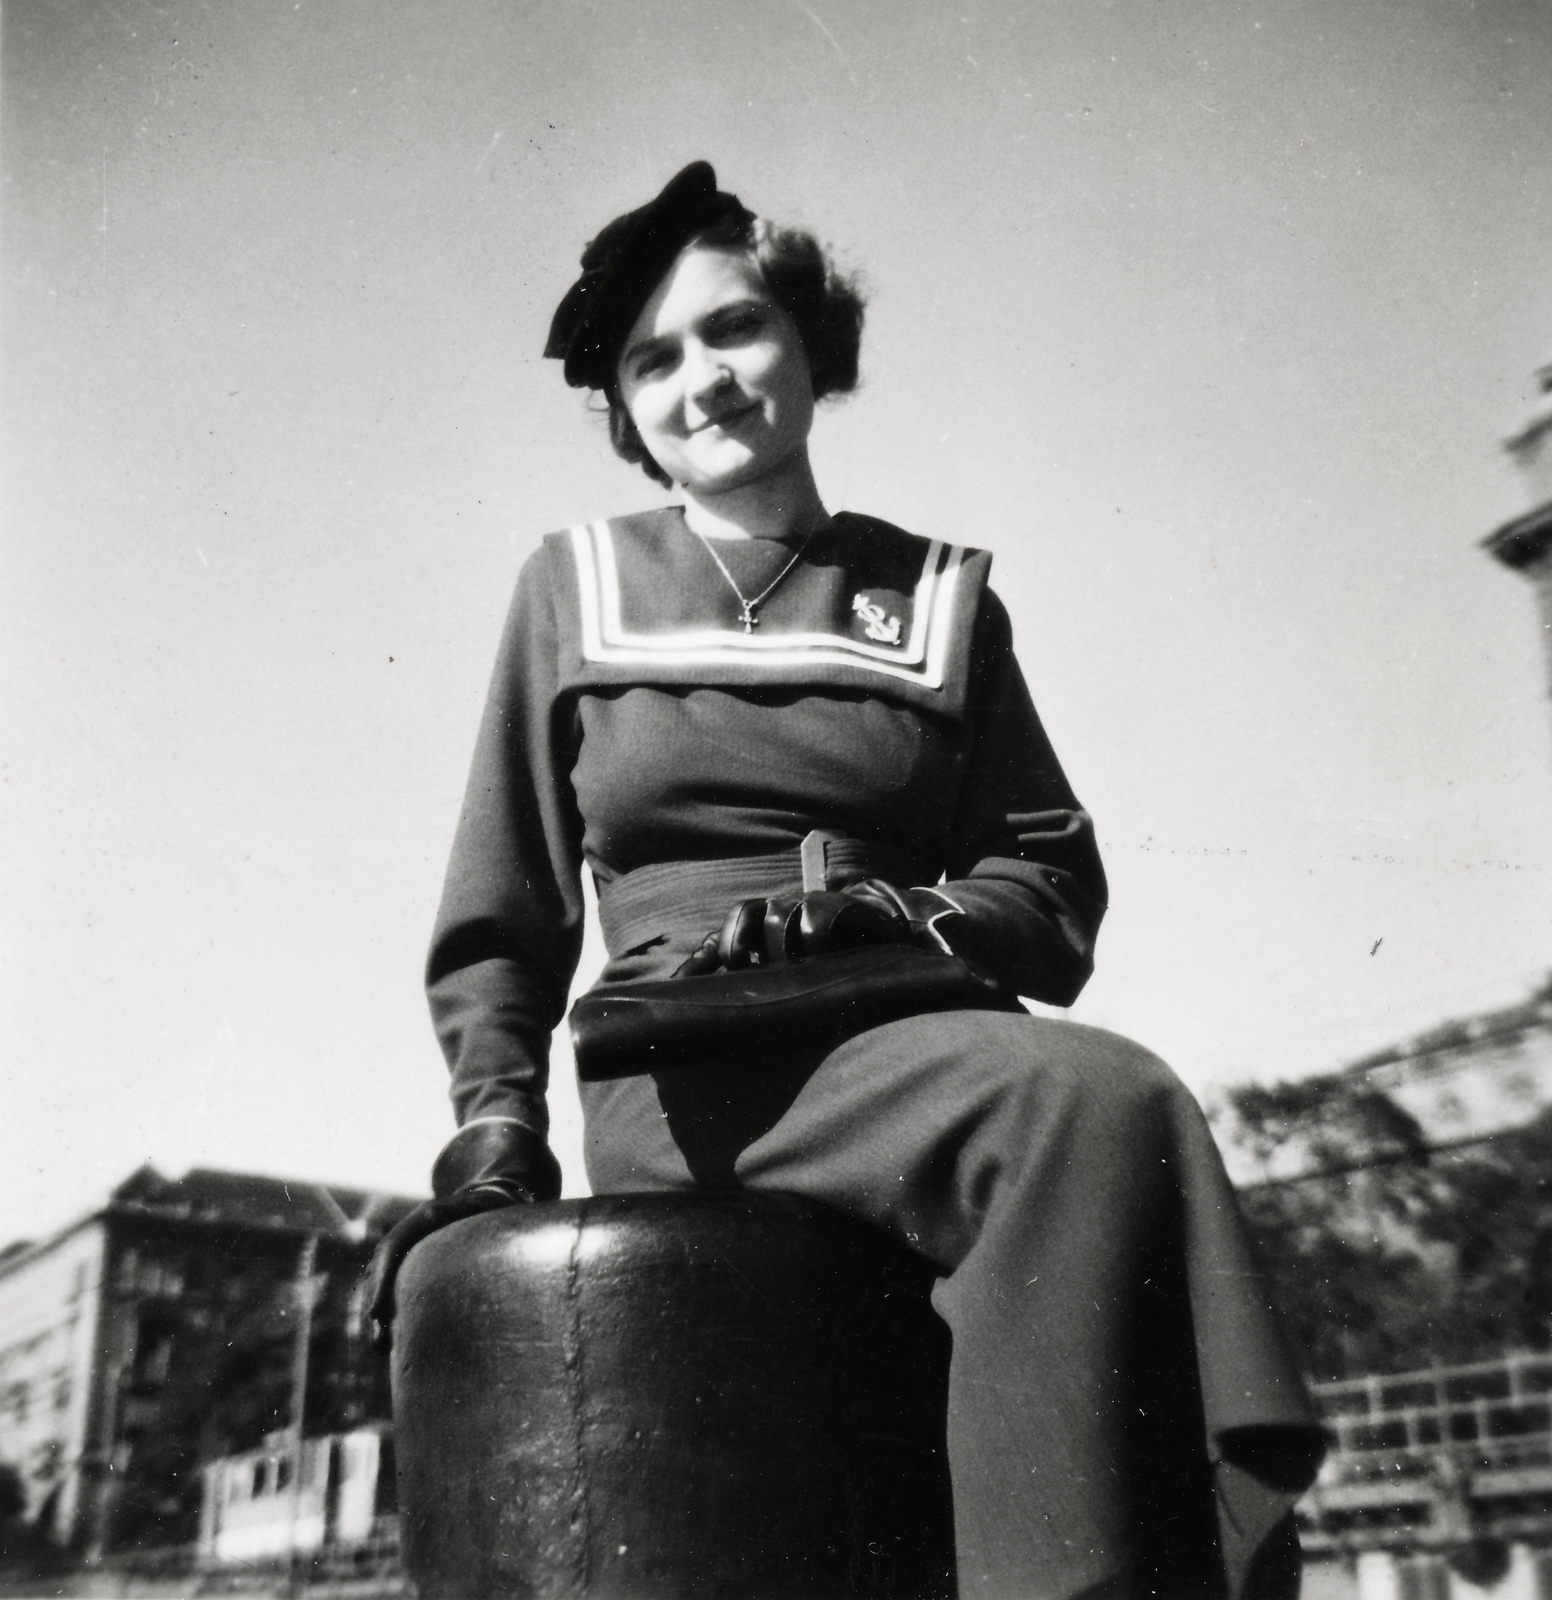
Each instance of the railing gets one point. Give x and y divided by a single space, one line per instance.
1436 1457
359 1567
1425 1459
376 1557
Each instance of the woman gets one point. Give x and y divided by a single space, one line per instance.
745 702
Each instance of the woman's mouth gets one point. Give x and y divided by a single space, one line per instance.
729 418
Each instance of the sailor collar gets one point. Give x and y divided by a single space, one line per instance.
868 599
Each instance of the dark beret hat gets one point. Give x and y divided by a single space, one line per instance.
624 264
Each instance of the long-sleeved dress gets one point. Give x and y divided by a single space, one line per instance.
1122 1407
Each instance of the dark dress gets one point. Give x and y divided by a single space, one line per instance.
1123 1411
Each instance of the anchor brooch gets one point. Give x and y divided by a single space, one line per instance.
885 632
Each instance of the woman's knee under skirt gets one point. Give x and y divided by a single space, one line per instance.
1121 1400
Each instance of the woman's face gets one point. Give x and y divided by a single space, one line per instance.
714 374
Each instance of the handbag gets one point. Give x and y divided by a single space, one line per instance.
779 1009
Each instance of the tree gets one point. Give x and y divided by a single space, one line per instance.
1387 1254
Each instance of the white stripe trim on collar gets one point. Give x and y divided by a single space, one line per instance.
921 659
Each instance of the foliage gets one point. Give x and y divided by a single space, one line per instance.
1332 1121
1386 1255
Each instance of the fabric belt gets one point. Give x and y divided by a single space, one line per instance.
679 901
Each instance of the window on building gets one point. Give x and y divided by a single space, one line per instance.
45 1463
154 1361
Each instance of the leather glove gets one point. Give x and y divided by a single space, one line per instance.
871 911
924 911
490 1163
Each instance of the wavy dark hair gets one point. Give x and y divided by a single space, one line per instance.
825 304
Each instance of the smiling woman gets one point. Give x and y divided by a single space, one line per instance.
600 319
716 382
776 735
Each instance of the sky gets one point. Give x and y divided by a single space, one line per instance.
1207 318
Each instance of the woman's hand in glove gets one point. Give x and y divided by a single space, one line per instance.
490 1163
925 912
758 932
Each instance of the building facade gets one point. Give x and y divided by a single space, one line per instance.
1471 1078
183 1321
1439 1483
1525 544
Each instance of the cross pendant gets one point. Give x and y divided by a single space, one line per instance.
749 619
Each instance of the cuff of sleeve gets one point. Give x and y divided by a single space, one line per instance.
493 1150
930 908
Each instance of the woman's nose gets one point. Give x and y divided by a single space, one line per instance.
706 373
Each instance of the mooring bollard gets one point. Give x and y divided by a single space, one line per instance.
671 1397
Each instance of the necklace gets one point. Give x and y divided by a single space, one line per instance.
749 602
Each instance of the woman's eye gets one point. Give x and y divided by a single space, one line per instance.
737 325
653 361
